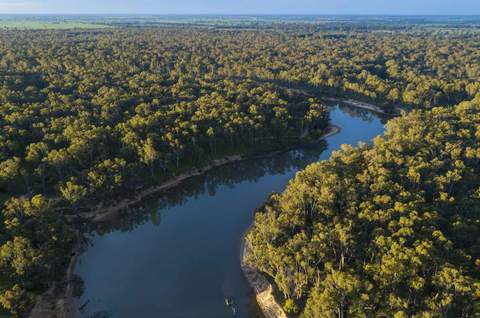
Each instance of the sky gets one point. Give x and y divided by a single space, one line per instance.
400 7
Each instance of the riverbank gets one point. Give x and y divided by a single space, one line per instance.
362 105
109 213
63 306
352 135
262 288
54 304
270 307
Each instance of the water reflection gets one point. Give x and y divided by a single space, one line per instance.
364 114
177 255
228 176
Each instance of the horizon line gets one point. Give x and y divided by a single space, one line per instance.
248 14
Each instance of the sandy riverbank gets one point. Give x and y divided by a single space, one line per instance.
270 307
63 306
53 305
363 105
262 288
108 213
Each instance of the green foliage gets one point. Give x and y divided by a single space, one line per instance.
290 307
85 116
387 229
9 170
73 192
14 300
35 244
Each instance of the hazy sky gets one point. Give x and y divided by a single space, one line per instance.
243 6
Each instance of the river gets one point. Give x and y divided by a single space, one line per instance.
178 255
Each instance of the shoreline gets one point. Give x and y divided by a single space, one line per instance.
363 105
260 285
66 302
257 281
108 213
53 305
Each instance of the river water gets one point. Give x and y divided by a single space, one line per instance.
178 255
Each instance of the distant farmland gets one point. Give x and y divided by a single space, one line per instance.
47 25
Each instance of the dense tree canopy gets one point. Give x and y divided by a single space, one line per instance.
384 230
86 117
89 115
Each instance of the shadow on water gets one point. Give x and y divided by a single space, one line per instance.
229 176
177 255
363 114
226 176
152 211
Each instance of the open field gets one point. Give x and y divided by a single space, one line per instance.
46 23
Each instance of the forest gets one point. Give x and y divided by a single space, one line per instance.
388 230
88 116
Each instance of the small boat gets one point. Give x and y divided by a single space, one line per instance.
83 307
228 301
